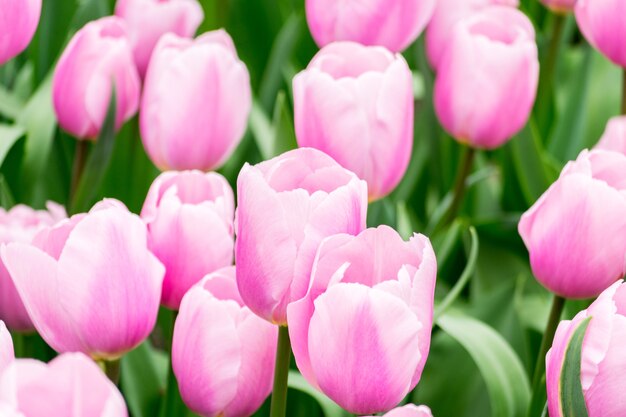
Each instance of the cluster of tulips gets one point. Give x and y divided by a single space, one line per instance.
289 264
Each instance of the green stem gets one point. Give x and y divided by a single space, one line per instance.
553 49
281 374
624 93
112 369
548 335
172 404
80 159
459 185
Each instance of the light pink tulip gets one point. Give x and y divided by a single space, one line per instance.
614 137
89 283
71 385
7 410
6 347
394 24
233 376
602 356
196 102
492 55
576 232
410 410
18 20
148 20
603 23
190 228
362 332
560 6
21 224
287 205
351 91
97 59
447 14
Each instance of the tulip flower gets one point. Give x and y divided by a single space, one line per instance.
89 283
603 23
70 385
410 410
447 14
614 137
349 91
492 55
560 6
602 356
576 232
196 102
18 20
286 206
97 60
148 20
230 378
21 224
394 24
190 228
6 347
362 332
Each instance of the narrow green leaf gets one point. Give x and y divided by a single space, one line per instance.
262 130
10 105
502 370
284 132
6 198
571 391
330 409
9 134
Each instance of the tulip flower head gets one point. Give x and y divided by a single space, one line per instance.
410 410
18 20
614 137
560 6
362 332
350 90
603 23
6 347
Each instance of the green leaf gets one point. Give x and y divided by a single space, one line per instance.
10 105
502 371
9 134
571 399
262 130
6 198
284 132
330 409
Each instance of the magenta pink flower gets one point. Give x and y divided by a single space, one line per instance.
196 102
614 137
190 228
410 410
362 332
21 224
225 366
287 205
394 24
604 25
6 347
576 232
18 20
89 283
97 59
602 357
348 91
148 20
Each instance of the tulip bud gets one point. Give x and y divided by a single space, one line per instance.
190 228
70 385
394 24
21 224
409 410
349 91
602 356
196 102
89 283
6 348
447 14
230 378
18 20
97 60
603 23
492 55
560 6
148 20
576 232
287 205
614 137
362 332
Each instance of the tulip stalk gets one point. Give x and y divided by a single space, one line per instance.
80 159
469 154
281 374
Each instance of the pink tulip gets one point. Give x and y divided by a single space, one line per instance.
410 410
394 24
71 385
603 23
614 137
492 55
148 20
447 14
89 283
97 59
576 232
18 20
349 91
287 205
7 410
560 6
6 347
190 228
362 332
196 102
21 224
233 376
602 356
